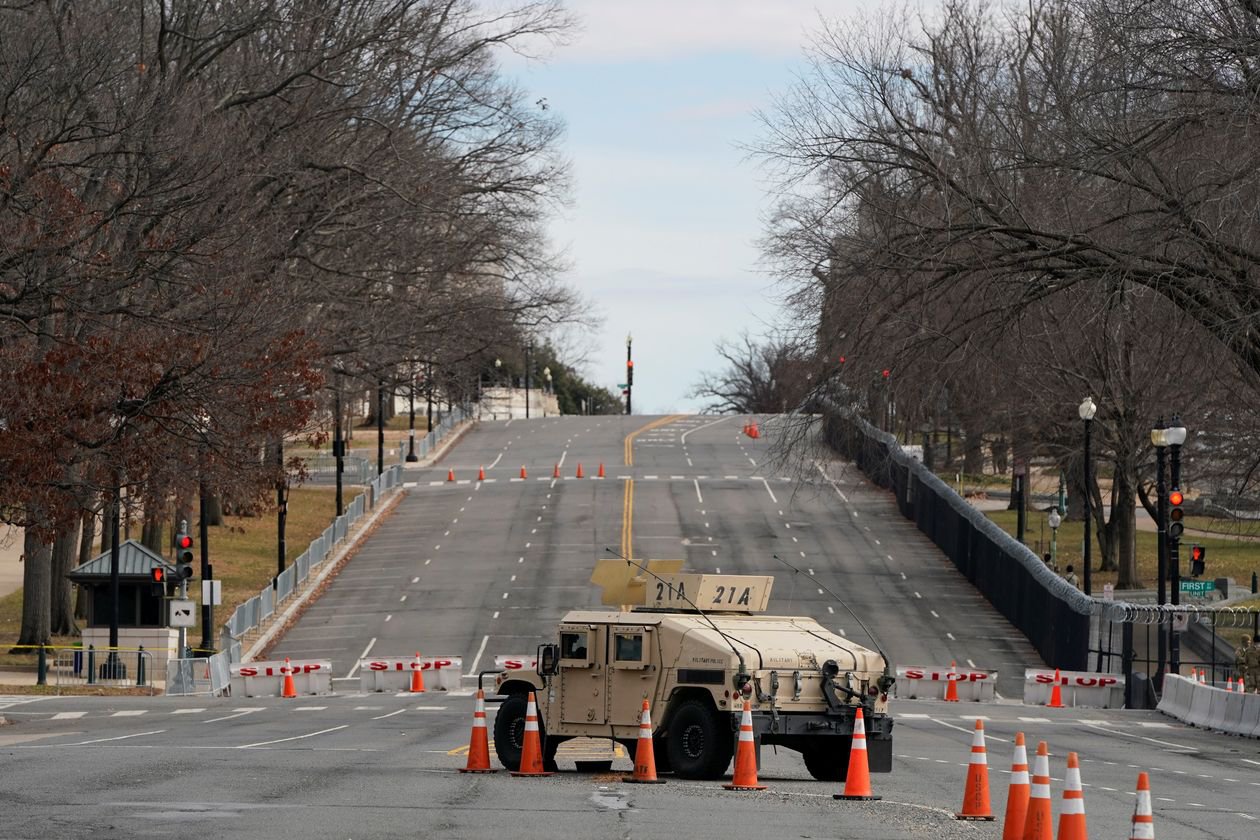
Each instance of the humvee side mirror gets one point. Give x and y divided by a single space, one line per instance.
548 660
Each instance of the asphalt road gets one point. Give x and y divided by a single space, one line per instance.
478 569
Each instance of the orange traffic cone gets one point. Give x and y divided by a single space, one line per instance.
579 470
287 689
481 474
1202 677
1229 684
644 757
1072 815
1017 795
857 783
1037 821
479 741
1242 686
1143 820
531 750
1056 695
523 473
976 793
555 473
450 475
417 676
951 684
601 469
754 432
745 777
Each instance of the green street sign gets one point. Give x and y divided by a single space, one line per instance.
623 386
1198 585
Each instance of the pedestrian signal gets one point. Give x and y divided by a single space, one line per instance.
1175 514
1198 554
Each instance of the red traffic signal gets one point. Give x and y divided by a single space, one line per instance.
842 360
1198 554
183 541
1175 514
885 373
158 574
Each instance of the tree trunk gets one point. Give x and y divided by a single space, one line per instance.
973 450
1104 529
36 592
1124 521
214 510
87 536
154 527
999 448
64 553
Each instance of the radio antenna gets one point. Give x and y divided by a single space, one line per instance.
841 602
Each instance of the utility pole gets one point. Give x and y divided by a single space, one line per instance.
282 511
207 573
528 349
339 445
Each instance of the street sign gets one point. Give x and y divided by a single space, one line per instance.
1198 586
183 613
212 592
622 385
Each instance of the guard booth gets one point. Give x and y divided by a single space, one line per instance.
143 616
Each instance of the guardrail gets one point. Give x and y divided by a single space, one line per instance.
262 606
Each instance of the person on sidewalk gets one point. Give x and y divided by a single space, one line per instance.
1070 577
1241 668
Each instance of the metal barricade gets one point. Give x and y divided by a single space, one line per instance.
111 667
203 675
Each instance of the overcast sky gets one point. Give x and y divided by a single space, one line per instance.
658 96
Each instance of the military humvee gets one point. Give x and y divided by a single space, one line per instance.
696 649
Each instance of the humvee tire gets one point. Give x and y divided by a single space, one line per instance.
700 743
509 735
828 764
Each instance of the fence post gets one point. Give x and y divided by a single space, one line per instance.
140 666
91 663
42 679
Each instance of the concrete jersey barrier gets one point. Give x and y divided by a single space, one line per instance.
515 662
1077 688
393 673
929 682
266 679
1209 707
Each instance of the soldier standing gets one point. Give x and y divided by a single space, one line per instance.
1240 660
1253 665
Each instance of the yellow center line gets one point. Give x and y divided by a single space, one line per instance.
627 503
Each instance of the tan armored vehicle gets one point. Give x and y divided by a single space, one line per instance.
695 649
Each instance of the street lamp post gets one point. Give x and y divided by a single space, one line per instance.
498 367
1054 520
411 415
1159 438
1087 410
546 388
1175 435
629 365
528 349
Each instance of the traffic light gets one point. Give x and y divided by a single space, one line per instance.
885 373
183 556
1175 514
629 372
1198 553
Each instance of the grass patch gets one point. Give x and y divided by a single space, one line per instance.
1226 557
243 553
